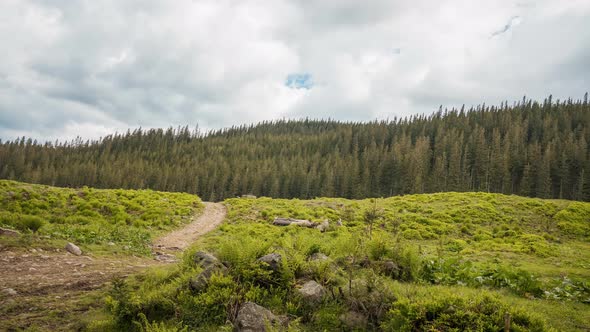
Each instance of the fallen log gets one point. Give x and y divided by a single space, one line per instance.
296 222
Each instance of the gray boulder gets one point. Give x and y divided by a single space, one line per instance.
273 260
73 249
254 318
390 268
318 256
201 281
205 259
324 226
304 223
8 232
311 291
354 320
296 222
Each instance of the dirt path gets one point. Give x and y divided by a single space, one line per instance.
180 239
53 288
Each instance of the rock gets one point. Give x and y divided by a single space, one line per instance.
312 291
296 222
318 256
73 249
254 318
205 259
111 244
250 196
9 291
354 320
282 221
8 232
273 260
324 226
200 282
163 257
304 223
390 268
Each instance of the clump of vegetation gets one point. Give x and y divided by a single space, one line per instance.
460 274
94 217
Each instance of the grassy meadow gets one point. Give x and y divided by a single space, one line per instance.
432 262
98 220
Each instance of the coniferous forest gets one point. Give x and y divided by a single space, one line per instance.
529 148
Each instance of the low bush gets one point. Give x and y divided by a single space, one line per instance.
448 312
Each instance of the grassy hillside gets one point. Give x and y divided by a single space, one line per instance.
114 220
439 262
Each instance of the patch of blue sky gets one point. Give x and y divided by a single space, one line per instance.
299 81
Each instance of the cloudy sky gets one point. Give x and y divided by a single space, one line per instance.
92 67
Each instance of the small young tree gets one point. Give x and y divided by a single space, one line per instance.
371 215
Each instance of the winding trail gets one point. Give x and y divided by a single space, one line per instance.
180 239
57 281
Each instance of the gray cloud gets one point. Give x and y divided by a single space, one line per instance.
513 21
89 68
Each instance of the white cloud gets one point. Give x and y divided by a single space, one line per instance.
92 67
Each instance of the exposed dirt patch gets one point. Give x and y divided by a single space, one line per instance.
180 239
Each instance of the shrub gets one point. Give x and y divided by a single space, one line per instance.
456 245
210 307
31 223
454 313
412 234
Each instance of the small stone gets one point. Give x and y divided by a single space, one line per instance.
390 268
254 318
324 226
73 249
273 260
205 259
162 257
111 244
312 291
8 232
354 320
318 256
9 291
201 281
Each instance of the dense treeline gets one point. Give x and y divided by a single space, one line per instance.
528 148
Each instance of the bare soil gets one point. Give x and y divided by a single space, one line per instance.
64 286
180 239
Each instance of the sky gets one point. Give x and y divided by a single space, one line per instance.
89 68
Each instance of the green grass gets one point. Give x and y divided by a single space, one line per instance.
463 262
95 219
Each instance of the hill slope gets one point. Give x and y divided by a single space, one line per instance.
97 218
529 149
43 287
448 261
